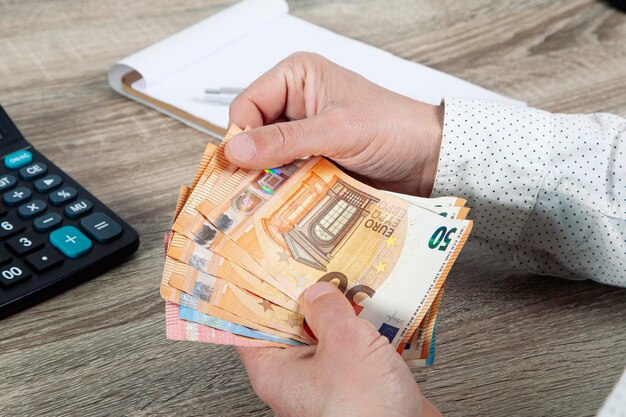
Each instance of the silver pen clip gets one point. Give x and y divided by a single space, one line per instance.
222 95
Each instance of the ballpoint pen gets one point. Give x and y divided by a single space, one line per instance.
222 95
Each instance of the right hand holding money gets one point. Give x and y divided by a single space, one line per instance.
354 371
307 105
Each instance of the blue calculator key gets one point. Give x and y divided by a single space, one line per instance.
18 159
63 195
78 208
47 222
47 183
31 209
33 171
16 196
7 181
70 241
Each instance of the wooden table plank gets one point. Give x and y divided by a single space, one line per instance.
508 343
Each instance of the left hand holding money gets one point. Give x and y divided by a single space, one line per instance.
307 105
352 371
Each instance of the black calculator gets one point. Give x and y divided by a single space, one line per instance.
53 232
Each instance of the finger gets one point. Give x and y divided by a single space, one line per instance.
279 91
327 309
280 143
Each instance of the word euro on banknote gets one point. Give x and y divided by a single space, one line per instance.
389 256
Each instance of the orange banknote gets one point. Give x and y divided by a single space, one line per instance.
246 244
309 221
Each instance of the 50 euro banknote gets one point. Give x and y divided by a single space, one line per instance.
188 280
310 222
193 281
227 178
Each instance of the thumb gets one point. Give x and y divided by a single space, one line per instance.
326 309
280 143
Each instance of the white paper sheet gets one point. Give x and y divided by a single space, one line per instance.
237 45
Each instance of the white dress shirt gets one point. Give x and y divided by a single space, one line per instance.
546 190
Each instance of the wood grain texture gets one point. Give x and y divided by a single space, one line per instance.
508 344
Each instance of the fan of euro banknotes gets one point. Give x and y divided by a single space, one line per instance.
245 245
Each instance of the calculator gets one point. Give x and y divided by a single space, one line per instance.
53 232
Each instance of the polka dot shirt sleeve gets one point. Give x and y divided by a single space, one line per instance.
547 190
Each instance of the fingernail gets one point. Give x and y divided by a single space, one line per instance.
318 289
242 148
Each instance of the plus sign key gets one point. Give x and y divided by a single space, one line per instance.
70 241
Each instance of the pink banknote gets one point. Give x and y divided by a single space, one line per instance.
177 329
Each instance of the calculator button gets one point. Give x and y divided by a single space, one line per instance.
101 227
47 222
12 273
4 256
79 208
18 159
70 241
7 181
34 171
26 243
63 195
47 183
30 210
16 196
44 259
10 225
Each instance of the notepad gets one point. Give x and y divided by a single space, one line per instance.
234 47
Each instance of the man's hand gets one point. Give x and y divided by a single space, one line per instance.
307 105
353 371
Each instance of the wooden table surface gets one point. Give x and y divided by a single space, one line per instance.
508 343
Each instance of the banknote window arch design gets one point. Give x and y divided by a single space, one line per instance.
333 221
317 219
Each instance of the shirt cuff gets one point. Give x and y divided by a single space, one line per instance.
494 155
